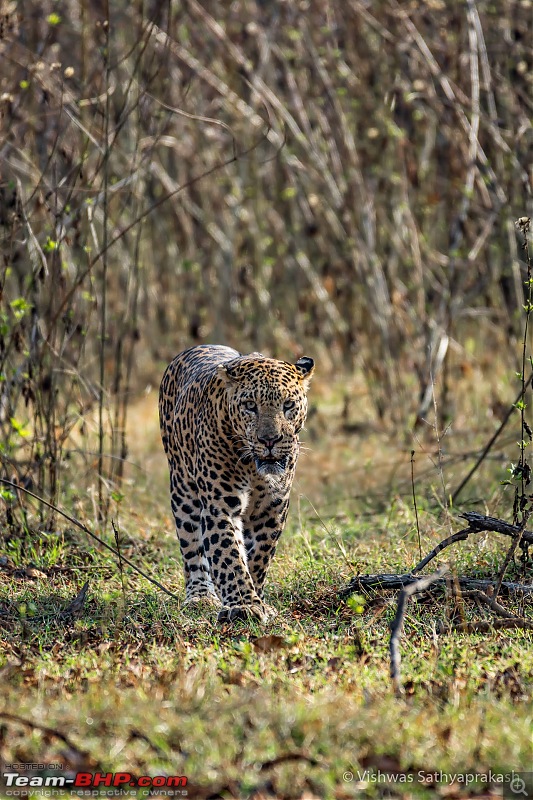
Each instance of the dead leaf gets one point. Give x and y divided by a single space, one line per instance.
265 644
33 572
235 678
75 607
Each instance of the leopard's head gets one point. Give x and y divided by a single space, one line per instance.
267 406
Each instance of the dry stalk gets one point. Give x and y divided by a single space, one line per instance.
397 625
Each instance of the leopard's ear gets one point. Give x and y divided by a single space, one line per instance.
229 372
306 367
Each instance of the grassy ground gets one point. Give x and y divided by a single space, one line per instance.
302 708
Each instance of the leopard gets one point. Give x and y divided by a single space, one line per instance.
230 425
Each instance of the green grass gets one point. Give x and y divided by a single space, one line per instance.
140 683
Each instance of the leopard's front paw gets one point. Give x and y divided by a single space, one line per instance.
207 600
257 610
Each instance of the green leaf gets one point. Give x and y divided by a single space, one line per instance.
357 603
288 193
19 428
19 306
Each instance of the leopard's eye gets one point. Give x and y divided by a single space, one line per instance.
251 406
288 405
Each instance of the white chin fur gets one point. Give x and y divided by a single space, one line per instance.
270 467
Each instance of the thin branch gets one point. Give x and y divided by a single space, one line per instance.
49 732
510 553
523 466
86 530
103 501
491 442
475 594
397 625
414 501
455 537
120 567
479 524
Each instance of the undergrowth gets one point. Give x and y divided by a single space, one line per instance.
140 682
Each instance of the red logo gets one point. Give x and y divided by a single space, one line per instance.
92 780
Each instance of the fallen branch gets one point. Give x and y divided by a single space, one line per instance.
479 522
517 540
489 601
394 582
83 755
482 591
485 626
419 585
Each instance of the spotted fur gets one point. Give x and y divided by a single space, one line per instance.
230 424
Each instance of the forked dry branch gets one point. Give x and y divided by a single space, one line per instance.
477 523
396 628
483 592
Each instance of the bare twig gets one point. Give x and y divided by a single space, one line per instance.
475 594
490 443
103 502
523 471
479 524
49 732
414 501
510 553
397 625
86 530
455 537
120 567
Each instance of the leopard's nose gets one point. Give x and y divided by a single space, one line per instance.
269 443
